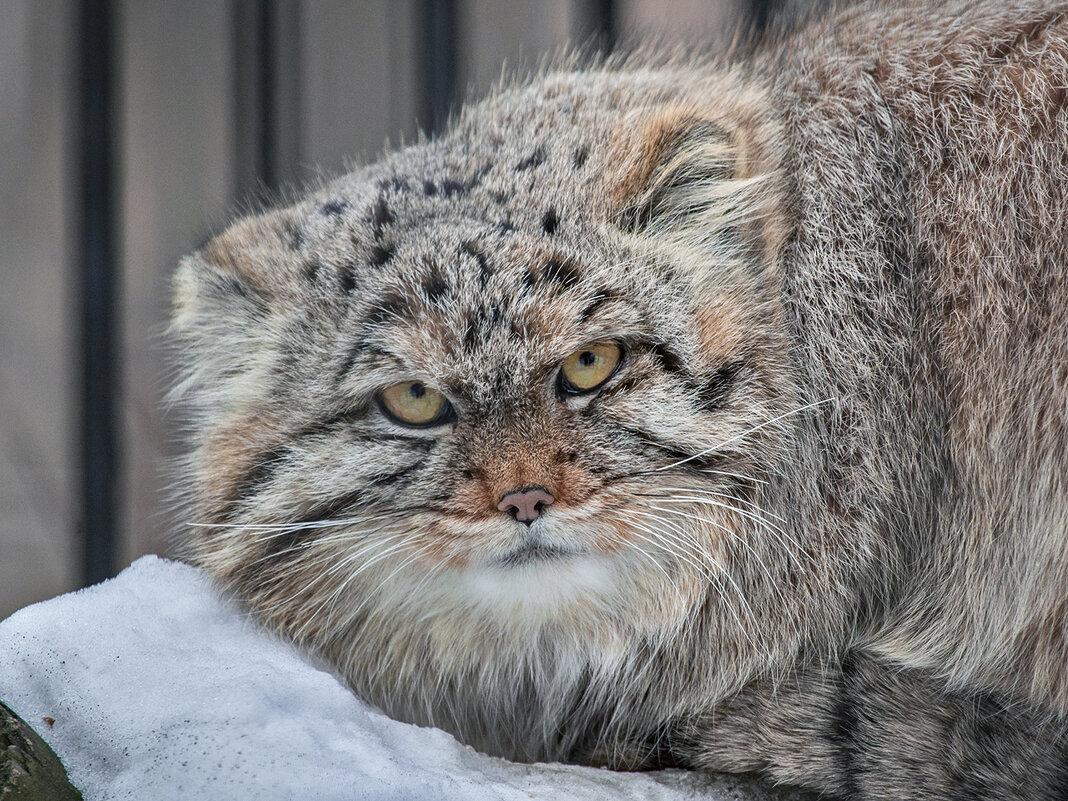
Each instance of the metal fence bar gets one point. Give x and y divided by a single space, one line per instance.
760 14
266 47
437 62
96 241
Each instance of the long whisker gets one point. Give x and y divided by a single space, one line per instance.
789 543
319 542
718 494
324 523
673 546
729 474
339 590
711 579
771 582
712 501
745 433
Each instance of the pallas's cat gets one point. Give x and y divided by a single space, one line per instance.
700 414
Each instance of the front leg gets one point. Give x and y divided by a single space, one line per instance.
869 730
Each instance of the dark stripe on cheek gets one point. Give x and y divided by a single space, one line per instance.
303 532
711 393
656 448
259 473
666 358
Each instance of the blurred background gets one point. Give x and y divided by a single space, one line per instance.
131 130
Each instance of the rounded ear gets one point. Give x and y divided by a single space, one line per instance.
222 321
705 177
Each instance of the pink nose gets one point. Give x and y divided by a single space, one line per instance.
525 504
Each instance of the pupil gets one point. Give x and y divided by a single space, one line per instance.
587 359
417 390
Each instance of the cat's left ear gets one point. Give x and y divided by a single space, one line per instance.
704 176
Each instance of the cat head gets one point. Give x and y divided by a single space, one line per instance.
526 380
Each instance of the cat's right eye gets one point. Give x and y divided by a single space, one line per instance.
413 403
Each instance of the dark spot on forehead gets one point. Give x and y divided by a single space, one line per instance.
450 187
549 221
430 188
484 271
535 159
505 226
561 270
498 197
334 208
395 183
434 285
260 472
381 254
479 323
380 216
392 306
581 154
294 236
347 280
311 270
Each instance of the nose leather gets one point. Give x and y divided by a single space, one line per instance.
525 504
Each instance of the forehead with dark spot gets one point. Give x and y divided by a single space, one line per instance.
465 305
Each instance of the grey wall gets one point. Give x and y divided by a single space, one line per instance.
349 83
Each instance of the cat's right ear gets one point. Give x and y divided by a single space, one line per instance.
703 176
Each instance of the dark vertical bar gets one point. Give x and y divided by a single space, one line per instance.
605 24
266 93
266 157
596 24
99 451
760 15
437 65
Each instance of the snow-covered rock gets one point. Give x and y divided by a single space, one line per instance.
160 688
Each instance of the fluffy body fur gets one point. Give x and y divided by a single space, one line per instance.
816 524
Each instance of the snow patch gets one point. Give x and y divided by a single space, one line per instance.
162 688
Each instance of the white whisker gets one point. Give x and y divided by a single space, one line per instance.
745 433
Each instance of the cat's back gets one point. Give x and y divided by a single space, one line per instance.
951 118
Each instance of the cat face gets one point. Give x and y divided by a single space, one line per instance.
481 383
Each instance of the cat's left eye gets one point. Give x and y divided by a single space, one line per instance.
413 403
588 368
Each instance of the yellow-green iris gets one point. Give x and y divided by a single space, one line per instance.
413 403
591 366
